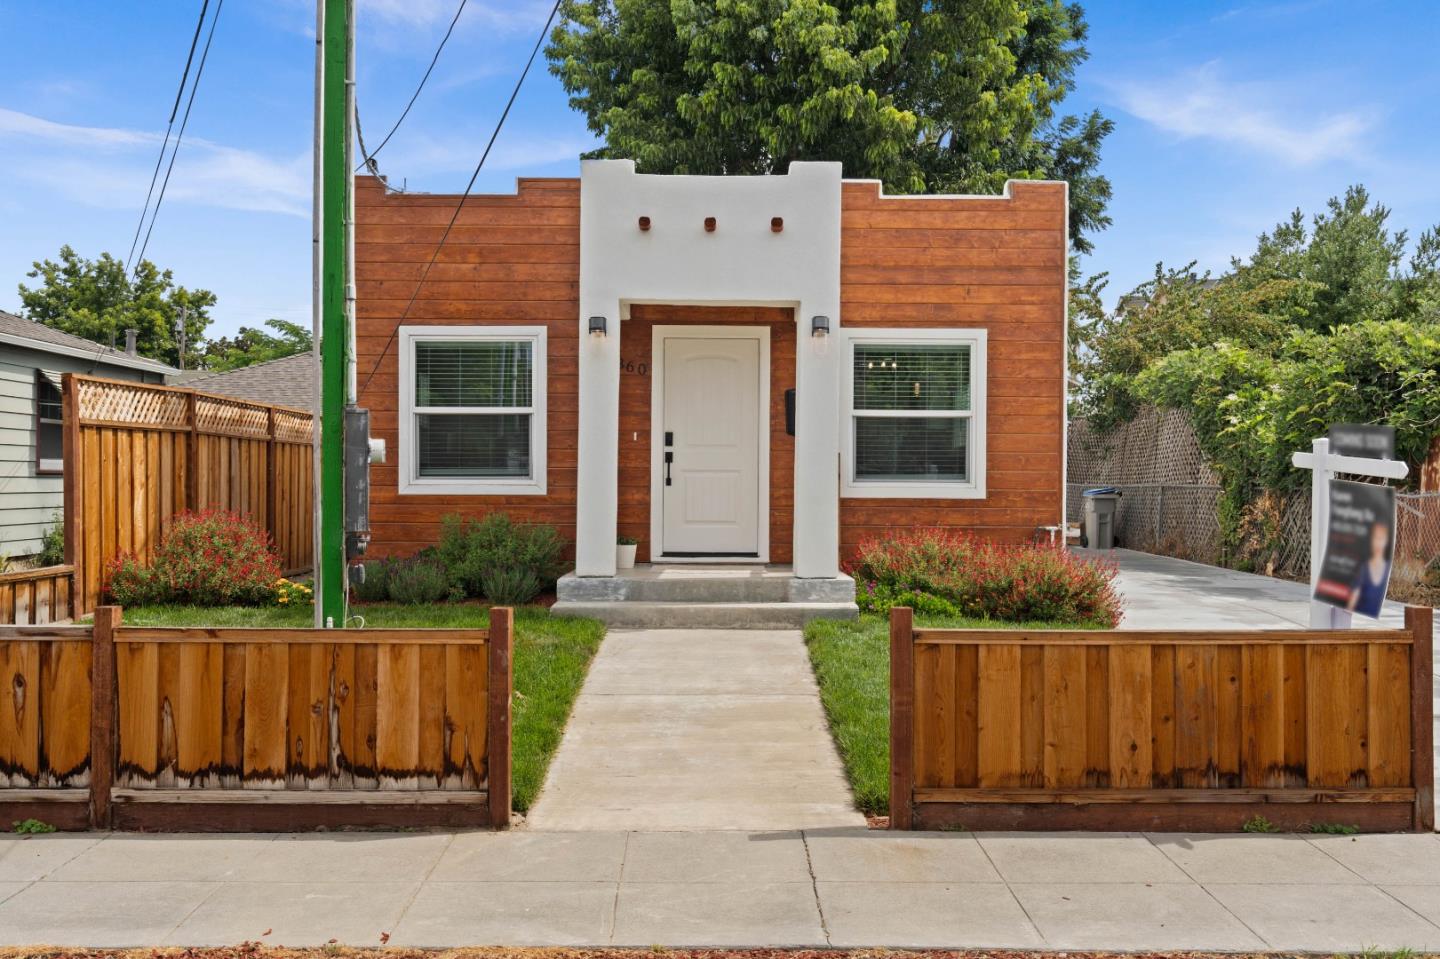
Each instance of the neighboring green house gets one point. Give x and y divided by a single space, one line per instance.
32 469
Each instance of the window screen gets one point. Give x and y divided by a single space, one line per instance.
49 428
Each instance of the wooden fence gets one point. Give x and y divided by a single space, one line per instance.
136 454
34 597
263 729
1177 730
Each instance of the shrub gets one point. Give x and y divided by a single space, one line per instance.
290 593
210 558
495 553
418 581
52 544
946 573
376 586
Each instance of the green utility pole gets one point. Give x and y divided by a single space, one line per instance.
333 122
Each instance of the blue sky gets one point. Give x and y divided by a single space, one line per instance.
1228 115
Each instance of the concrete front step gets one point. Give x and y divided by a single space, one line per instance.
635 614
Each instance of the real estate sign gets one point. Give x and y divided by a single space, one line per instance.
1359 546
1363 439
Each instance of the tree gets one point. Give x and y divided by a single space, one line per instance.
927 96
251 346
98 300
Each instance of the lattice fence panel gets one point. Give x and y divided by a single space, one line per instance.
231 417
293 427
106 402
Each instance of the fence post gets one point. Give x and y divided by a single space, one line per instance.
1159 517
102 713
500 687
70 453
902 709
1419 620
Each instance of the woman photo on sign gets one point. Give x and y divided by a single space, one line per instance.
1367 594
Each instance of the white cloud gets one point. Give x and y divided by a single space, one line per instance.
1201 104
109 167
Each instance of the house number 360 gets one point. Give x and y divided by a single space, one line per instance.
630 366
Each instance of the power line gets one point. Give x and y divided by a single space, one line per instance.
370 157
185 120
539 41
179 92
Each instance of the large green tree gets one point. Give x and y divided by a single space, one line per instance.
251 345
100 300
926 95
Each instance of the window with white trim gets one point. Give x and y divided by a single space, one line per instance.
49 424
472 410
916 414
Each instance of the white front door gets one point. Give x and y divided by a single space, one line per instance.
710 484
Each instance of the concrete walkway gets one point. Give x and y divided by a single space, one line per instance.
696 730
837 887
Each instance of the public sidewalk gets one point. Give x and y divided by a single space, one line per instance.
837 887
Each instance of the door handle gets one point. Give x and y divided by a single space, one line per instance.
669 458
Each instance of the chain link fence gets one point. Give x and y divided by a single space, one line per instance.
1169 498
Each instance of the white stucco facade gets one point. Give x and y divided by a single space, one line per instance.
741 263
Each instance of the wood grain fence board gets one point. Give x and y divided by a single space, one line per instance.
1162 716
1032 715
20 714
1064 717
367 672
466 699
199 711
65 714
137 672
1195 706
1131 760
397 733
36 597
999 743
430 756
1263 693
267 681
935 735
1097 717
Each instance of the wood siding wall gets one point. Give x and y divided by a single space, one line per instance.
987 263
509 261
139 454
636 381
989 726
34 597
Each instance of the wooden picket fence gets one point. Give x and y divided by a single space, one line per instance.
137 454
1175 730
255 729
34 597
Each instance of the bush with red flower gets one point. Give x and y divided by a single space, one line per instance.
210 558
940 572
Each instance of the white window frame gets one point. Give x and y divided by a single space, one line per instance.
974 488
410 482
47 467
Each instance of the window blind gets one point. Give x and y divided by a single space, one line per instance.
912 377
912 448
473 374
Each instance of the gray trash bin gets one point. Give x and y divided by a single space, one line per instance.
1099 528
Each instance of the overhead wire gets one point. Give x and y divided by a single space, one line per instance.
369 160
170 125
539 41
184 121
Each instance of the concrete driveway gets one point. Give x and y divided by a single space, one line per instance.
1165 593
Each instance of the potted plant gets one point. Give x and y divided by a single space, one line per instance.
625 552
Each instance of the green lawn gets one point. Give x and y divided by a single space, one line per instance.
852 665
552 655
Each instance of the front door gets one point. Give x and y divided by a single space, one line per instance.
710 486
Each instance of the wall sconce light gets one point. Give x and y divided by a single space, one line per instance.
709 224
819 325
597 326
644 224
777 224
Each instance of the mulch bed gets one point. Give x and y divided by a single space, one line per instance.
255 951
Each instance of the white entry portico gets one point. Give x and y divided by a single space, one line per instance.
712 241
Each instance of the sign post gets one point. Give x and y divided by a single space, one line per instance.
1323 465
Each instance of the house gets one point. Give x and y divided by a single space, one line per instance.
747 370
33 357
287 381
